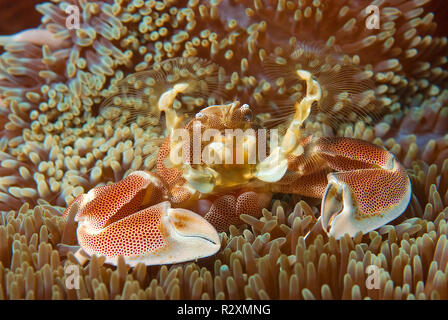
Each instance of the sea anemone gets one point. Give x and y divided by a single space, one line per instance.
58 142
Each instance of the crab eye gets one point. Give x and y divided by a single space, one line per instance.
248 117
247 114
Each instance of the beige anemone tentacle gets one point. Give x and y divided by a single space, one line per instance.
35 36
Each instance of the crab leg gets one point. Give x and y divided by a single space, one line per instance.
116 220
226 210
312 185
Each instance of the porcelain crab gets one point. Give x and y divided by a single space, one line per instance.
173 214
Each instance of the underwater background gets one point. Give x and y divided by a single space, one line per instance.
56 143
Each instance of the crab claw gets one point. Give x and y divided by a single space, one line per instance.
104 205
155 235
116 220
364 199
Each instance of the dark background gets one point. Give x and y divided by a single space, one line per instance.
17 15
